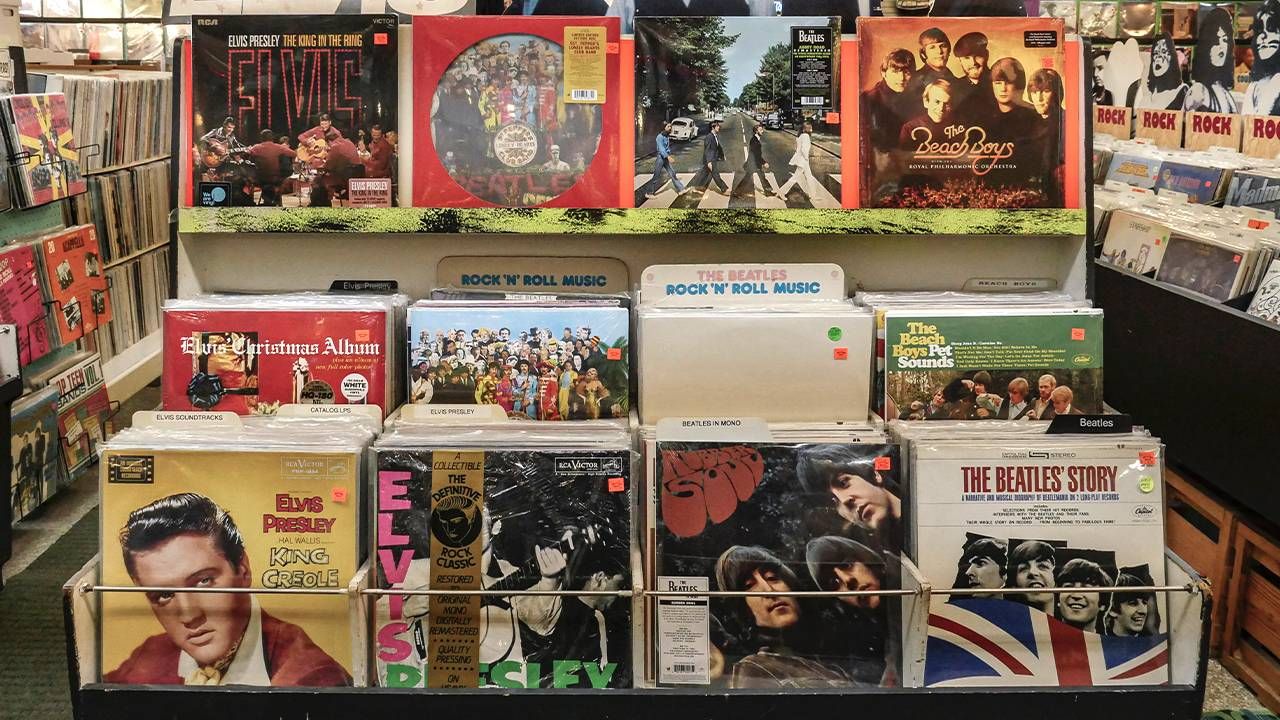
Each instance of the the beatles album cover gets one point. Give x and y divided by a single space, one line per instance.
21 302
784 517
847 10
1019 365
43 156
178 518
252 361
516 112
288 111
504 520
77 284
1202 266
37 466
961 112
541 363
1043 515
737 112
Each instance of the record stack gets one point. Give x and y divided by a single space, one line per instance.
120 119
129 208
287 516
42 156
139 287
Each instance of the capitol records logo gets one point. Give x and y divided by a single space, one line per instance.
1043 455
1144 511
515 145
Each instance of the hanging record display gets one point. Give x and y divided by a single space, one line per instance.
517 112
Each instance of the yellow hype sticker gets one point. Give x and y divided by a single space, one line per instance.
584 65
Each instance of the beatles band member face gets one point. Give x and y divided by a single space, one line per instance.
1035 573
983 572
856 576
771 612
1132 619
1079 609
206 626
859 501
937 102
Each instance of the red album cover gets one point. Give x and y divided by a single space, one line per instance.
523 112
77 285
81 427
252 361
21 304
45 151
961 112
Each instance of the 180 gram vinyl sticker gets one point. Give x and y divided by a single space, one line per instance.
501 126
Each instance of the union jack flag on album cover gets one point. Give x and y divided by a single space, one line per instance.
1063 539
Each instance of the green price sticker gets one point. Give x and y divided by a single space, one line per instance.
1147 484
834 334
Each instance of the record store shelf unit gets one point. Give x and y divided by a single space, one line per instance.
272 249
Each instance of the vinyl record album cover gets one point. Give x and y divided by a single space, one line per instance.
1266 302
540 363
1020 365
1201 184
37 467
1135 242
285 518
504 520
21 302
516 112
846 10
77 286
1254 189
782 517
961 112
737 112
1133 169
1027 515
289 110
43 155
1202 266
83 409
252 361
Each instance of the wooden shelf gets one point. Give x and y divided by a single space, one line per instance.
539 221
137 254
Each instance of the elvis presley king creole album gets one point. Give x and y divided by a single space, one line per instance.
961 112
542 362
516 112
232 358
779 517
228 517
1084 513
293 111
516 519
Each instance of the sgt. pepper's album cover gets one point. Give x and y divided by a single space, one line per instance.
516 112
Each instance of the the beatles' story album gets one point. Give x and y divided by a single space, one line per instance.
516 112
1023 365
540 363
777 518
252 361
288 110
1031 516
737 112
961 112
504 520
178 518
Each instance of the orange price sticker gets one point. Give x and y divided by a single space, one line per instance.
617 484
614 354
611 48
1147 457
339 494
884 463
841 353
379 38
1077 334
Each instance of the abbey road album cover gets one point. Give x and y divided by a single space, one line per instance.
737 112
